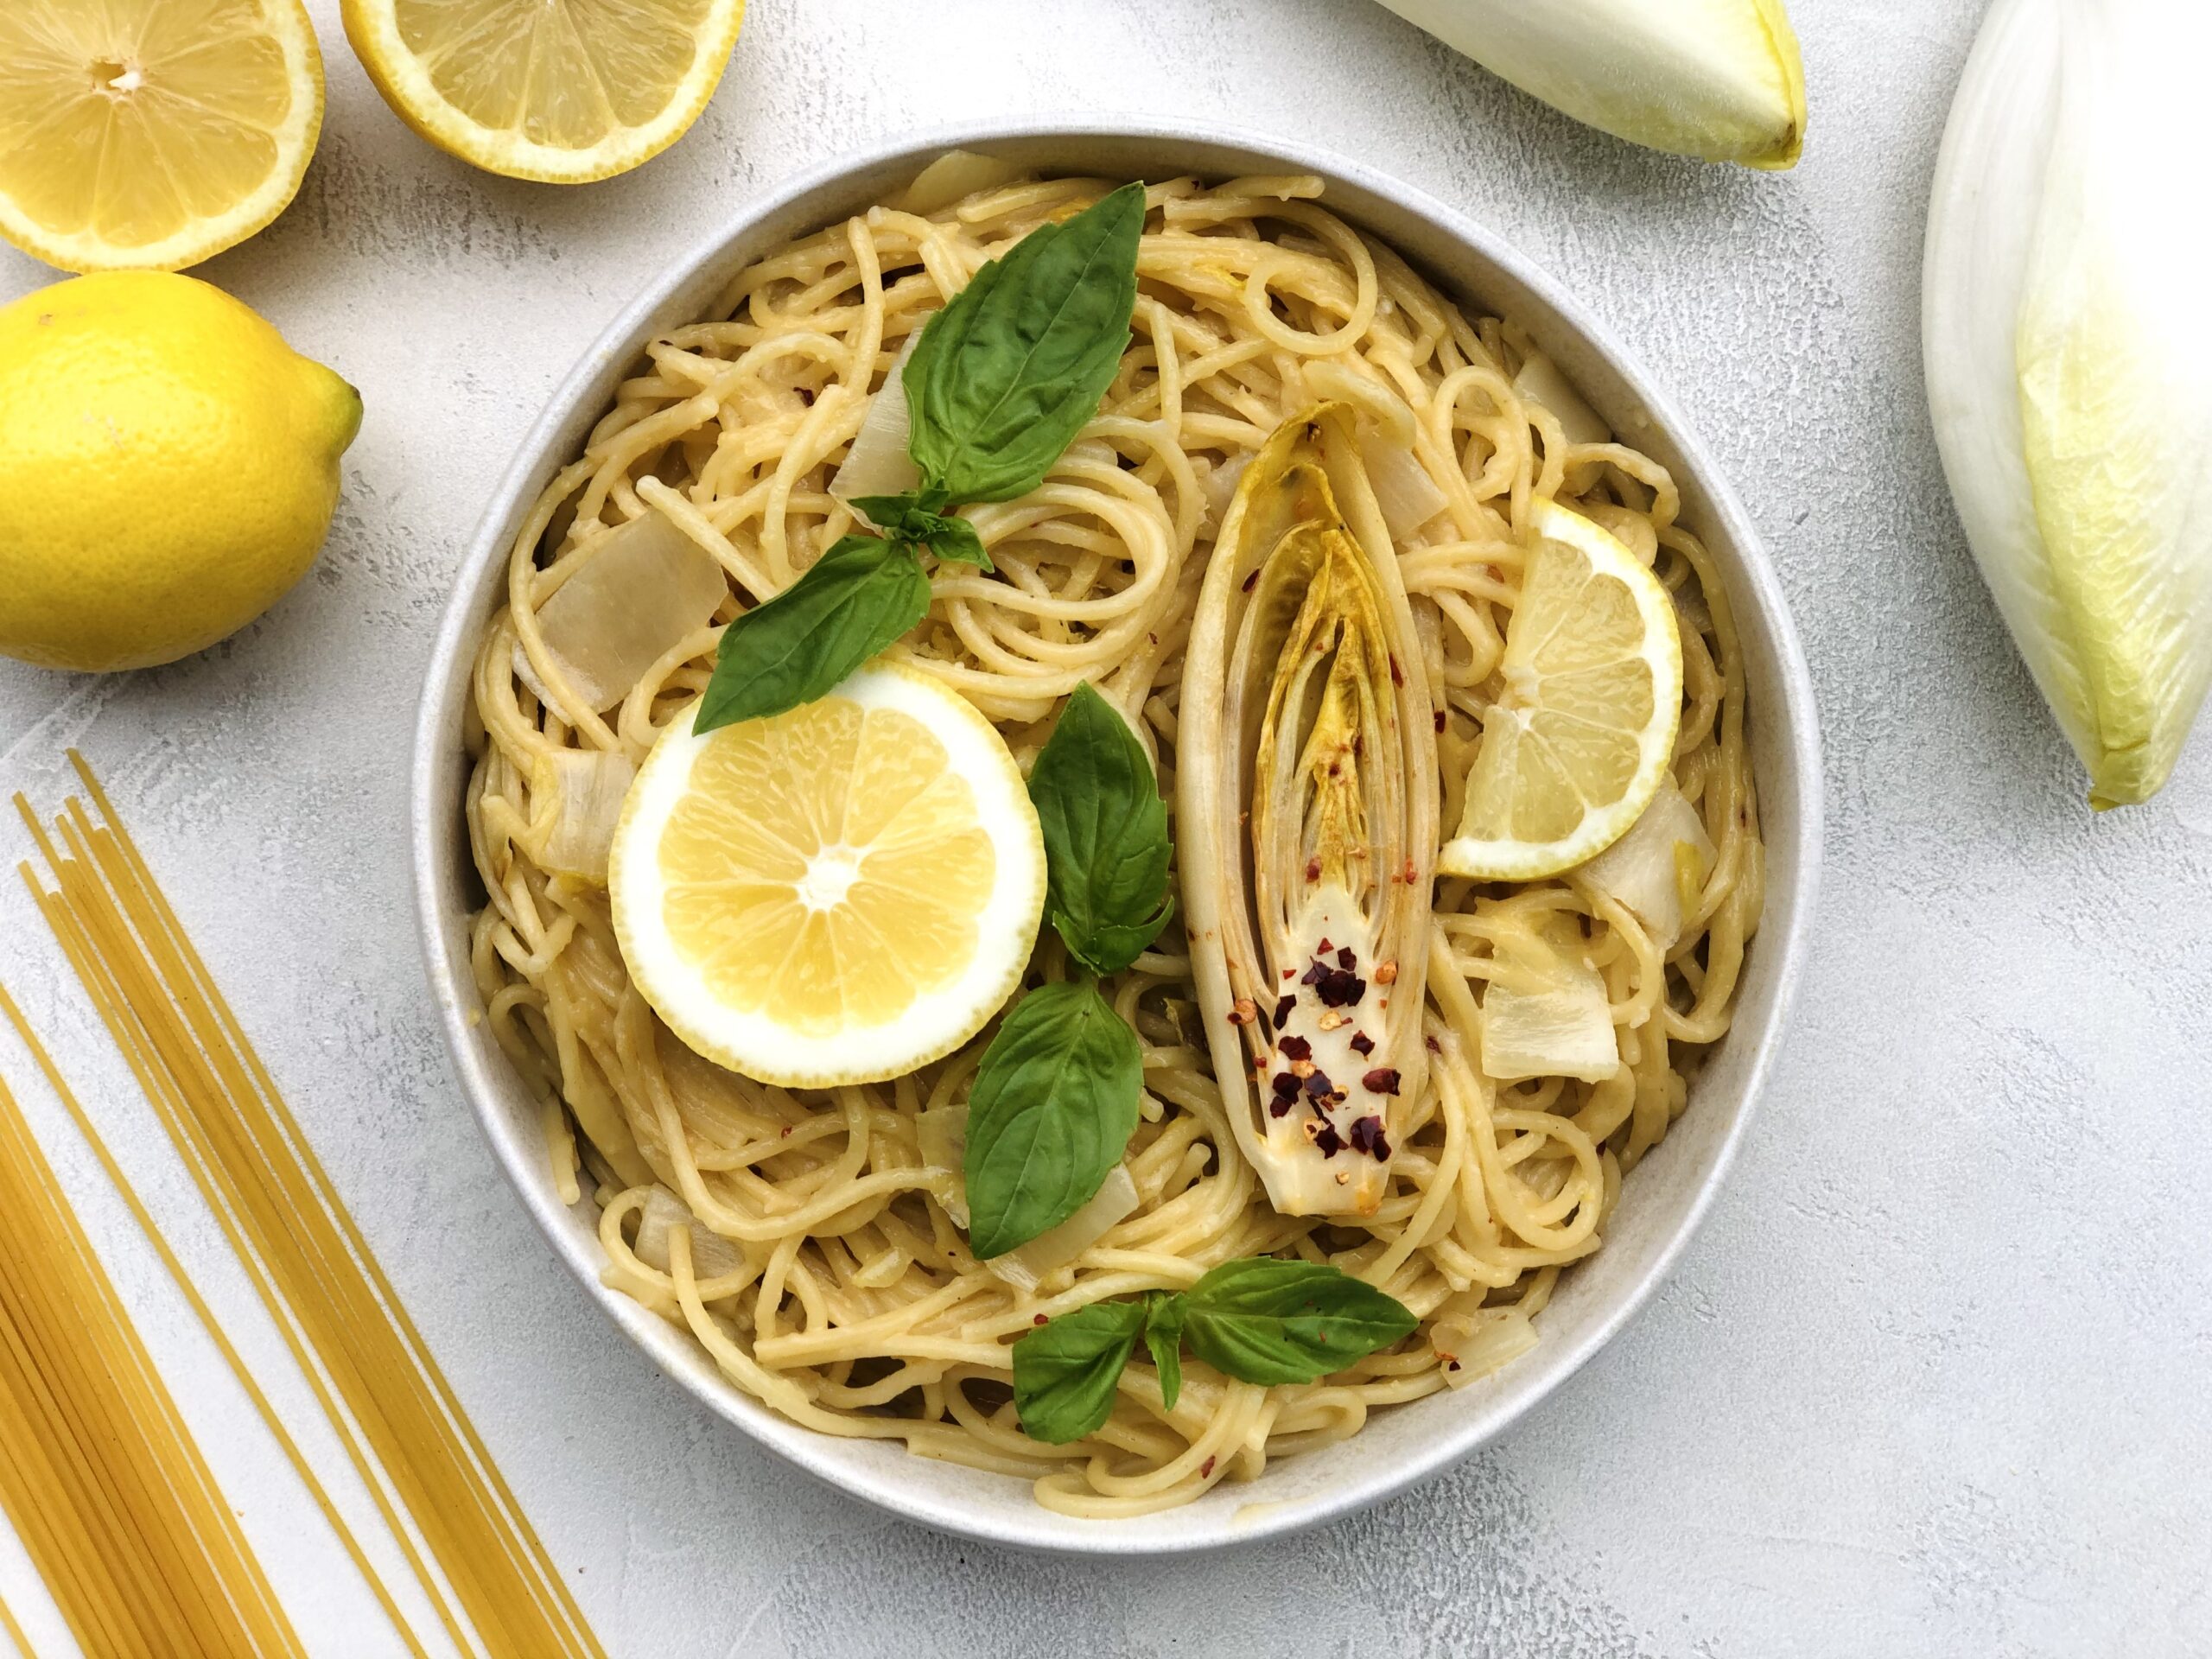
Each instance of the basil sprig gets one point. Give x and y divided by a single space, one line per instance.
1258 1319
1105 835
998 385
1054 1104
1055 1099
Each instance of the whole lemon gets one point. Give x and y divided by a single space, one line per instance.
167 468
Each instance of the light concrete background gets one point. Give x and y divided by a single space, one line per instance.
1932 1381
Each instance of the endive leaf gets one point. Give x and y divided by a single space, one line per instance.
1720 79
2070 367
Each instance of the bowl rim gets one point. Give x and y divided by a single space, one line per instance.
1752 575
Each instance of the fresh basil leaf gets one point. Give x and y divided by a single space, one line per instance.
1054 1105
1003 378
847 605
1163 1335
1265 1321
916 519
1105 827
1066 1370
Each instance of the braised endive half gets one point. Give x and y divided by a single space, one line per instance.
2069 352
1720 79
1306 805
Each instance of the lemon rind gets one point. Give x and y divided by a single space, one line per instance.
940 1020
1492 860
399 78
203 239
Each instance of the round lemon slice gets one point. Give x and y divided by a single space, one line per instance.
151 134
1579 741
560 91
836 894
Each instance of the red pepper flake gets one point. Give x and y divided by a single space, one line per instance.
1290 973
1297 1048
1337 988
1367 1136
1362 1044
1410 875
1382 1080
1301 1068
1289 1001
1346 959
1039 1319
1329 1141
1454 1364
1322 949
1313 869
1386 972
1434 1047
1205 1469
1242 1014
785 1130
1317 1083
1397 678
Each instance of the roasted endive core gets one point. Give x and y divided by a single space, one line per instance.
1306 805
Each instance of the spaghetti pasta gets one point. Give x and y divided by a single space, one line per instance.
478 1559
841 1292
98 1472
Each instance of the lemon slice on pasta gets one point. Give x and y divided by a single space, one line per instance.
559 91
149 135
837 894
1582 734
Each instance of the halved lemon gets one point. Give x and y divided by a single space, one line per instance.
560 91
836 894
148 135
1583 734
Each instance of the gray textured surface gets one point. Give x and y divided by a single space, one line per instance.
1932 1381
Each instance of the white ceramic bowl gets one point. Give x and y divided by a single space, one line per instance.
1666 1195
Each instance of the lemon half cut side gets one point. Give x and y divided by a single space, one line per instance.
836 894
151 135
562 92
1583 733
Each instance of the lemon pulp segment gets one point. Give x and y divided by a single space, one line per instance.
827 868
1582 732
151 134
839 893
563 91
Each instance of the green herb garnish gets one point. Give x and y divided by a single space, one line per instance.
1105 828
999 384
1054 1104
1055 1100
1259 1320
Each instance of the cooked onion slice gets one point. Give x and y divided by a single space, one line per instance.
955 175
1657 869
1546 1016
1115 1201
1540 381
1307 802
580 793
1472 1341
713 1256
943 1133
877 463
640 594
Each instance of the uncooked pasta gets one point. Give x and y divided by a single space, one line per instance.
813 1241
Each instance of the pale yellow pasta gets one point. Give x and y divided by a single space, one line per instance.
859 1310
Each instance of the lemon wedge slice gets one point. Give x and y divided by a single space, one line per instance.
560 91
1582 735
151 134
836 894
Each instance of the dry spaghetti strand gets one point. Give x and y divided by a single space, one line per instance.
98 1473
486 1571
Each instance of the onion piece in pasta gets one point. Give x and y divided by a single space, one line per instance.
645 589
877 463
1547 1016
1655 869
580 793
1115 1202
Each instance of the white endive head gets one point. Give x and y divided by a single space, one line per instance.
2068 336
1716 78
